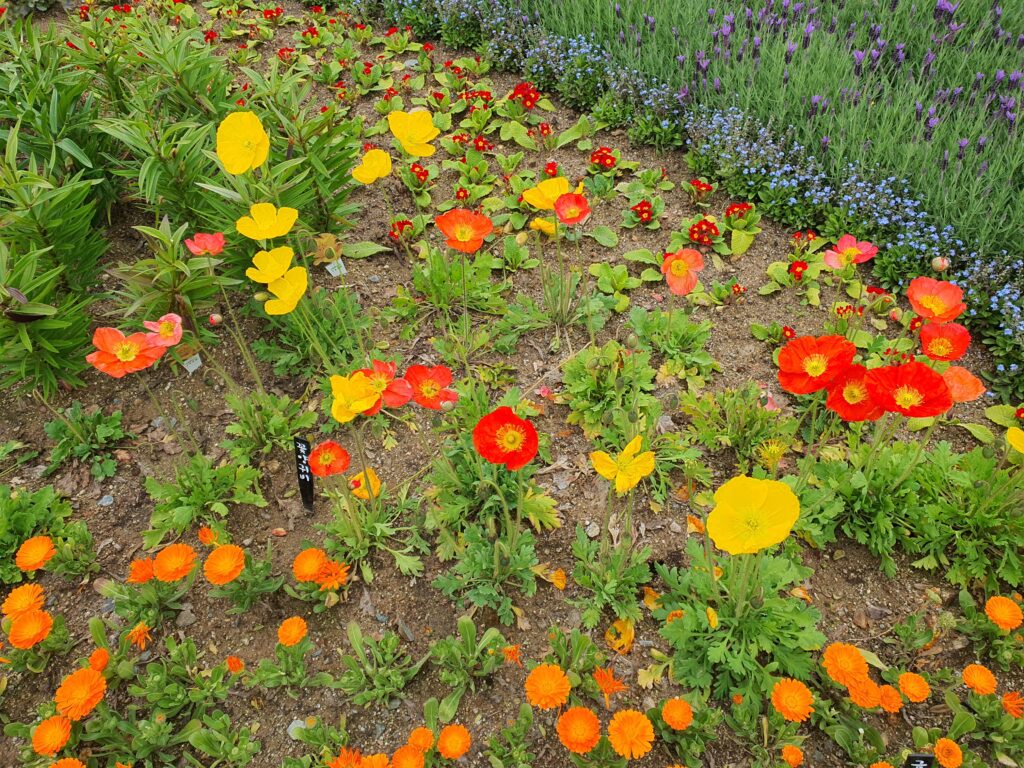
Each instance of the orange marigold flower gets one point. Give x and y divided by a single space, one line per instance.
99 659
421 738
380 760
914 687
79 693
630 733
844 663
608 684
308 563
30 629
547 686
207 536
579 730
332 576
737 699
792 699
792 756
673 615
512 654
882 764
224 564
23 599
453 741
68 762
865 693
889 699
51 735
291 631
1004 613
139 636
34 553
948 753
407 757
979 679
140 571
1013 705
235 664
347 758
174 562
677 714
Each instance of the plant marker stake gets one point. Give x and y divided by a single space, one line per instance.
303 472
919 761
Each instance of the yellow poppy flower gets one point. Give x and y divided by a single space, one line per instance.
414 131
547 226
543 195
266 221
271 265
287 291
365 484
352 395
627 469
751 515
242 144
376 165
1015 437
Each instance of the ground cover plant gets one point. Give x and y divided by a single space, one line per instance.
370 405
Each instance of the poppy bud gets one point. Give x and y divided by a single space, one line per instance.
447 405
261 296
521 238
895 315
216 319
940 263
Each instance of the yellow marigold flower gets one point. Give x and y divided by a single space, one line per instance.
242 144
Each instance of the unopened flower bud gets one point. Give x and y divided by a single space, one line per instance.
261 296
216 319
940 263
896 314
447 405
521 238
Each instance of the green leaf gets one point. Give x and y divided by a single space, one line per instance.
643 256
604 236
980 432
362 250
1003 415
741 241
915 425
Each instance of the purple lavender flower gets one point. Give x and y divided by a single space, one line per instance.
858 62
824 143
790 50
918 110
962 148
808 31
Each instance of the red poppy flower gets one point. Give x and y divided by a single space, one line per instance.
501 437
328 459
680 270
848 396
464 229
572 209
936 300
913 389
394 392
947 342
430 385
808 364
205 244
117 354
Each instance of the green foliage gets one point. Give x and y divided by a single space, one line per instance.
24 514
679 341
378 670
200 493
613 582
465 658
453 283
578 656
263 422
176 684
88 437
508 748
227 744
989 641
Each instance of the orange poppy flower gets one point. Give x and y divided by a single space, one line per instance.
630 733
34 553
407 757
889 699
945 342
308 563
680 270
914 687
99 659
1013 705
809 364
29 629
118 355
572 209
291 631
421 738
140 571
464 229
207 536
79 693
865 693
793 700
936 300
512 655
677 714
51 735
328 459
174 562
547 686
579 730
912 389
453 741
848 396
792 756
979 679
23 599
501 437
844 663
948 753
1003 612
608 684
963 385
430 386
333 576
235 665
224 564
139 636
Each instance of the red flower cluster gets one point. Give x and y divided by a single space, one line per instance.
272 13
848 309
551 169
788 332
460 138
421 173
398 229
703 231
209 36
738 209
643 211
701 187
526 94
462 194
312 31
481 144
545 129
797 269
603 157
470 95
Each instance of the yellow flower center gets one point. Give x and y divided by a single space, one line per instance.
510 438
941 347
430 389
934 303
379 382
463 233
907 397
127 351
572 212
854 392
849 255
679 268
815 365
326 458
166 329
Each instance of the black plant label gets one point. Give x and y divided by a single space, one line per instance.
304 473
